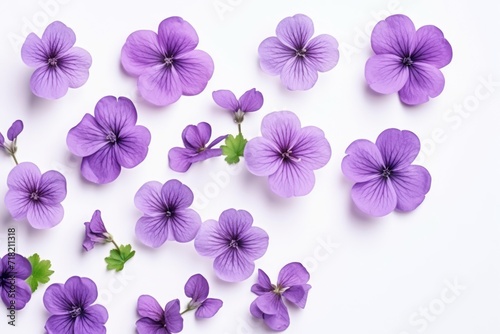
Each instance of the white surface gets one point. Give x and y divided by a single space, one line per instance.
381 273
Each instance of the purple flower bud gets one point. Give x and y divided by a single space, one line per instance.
95 232
15 129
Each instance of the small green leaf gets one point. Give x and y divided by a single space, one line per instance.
40 272
117 258
234 148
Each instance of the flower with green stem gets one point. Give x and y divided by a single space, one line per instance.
11 148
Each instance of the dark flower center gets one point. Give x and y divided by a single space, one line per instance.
111 138
386 172
168 213
286 155
34 196
168 61
75 311
52 61
407 61
233 243
301 52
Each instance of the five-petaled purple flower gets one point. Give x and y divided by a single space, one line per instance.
385 179
270 306
110 140
95 232
234 243
195 139
156 320
295 56
251 100
58 64
13 272
35 196
407 60
287 154
71 309
167 64
166 213
197 289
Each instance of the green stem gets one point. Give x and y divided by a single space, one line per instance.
239 128
116 246
15 159
186 310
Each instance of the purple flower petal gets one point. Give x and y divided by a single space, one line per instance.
58 38
148 198
81 290
114 114
264 284
279 321
177 36
215 142
179 159
251 100
386 74
49 83
295 31
293 274
312 148
52 188
394 35
86 138
299 74
152 231
21 180
184 225
196 288
101 167
54 299
262 156
148 326
22 295
292 179
173 318
196 137
297 294
207 241
15 129
175 194
148 307
75 64
431 47
95 231
233 266
255 311
45 216
22 269
323 53
274 55
140 52
160 86
208 309
425 81
32 51
57 324
398 148
133 147
256 241
226 100
363 161
235 222
375 197
269 303
194 69
2 140
281 127
93 320
411 184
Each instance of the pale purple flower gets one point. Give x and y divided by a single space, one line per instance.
71 310
166 213
197 289
252 100
195 139
110 140
35 196
270 305
14 291
58 64
95 232
287 154
156 320
407 60
295 56
234 243
385 179
166 64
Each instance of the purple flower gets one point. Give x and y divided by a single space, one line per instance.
95 232
385 179
195 139
110 140
15 129
167 64
71 309
166 213
407 60
155 320
270 306
58 64
251 100
14 269
234 243
287 154
35 196
197 289
295 56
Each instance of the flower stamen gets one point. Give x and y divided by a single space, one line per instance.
407 61
301 52
34 196
111 138
386 172
52 61
75 311
233 244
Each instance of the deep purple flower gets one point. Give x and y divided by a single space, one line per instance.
251 100
295 56
58 64
35 196
71 309
156 320
110 140
287 154
15 129
95 232
195 139
407 60
167 64
166 213
385 179
13 272
197 289
270 305
234 243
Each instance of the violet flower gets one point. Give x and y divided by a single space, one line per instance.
287 154
95 232
233 242
167 64
58 64
197 289
166 213
156 320
252 100
110 140
71 309
14 291
295 56
195 139
12 133
270 305
385 179
35 196
407 60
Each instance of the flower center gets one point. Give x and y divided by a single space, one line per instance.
34 196
168 213
111 138
386 172
278 289
407 61
168 61
301 52
287 155
233 244
52 61
75 311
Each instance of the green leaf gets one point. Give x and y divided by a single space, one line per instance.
117 258
234 148
40 272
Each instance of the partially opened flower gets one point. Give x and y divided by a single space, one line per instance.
15 130
294 56
234 243
95 232
195 139
110 140
58 64
252 100
14 290
287 154
407 60
35 196
385 178
167 64
71 310
156 320
166 213
197 289
270 305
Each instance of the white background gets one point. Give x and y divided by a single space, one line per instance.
381 275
